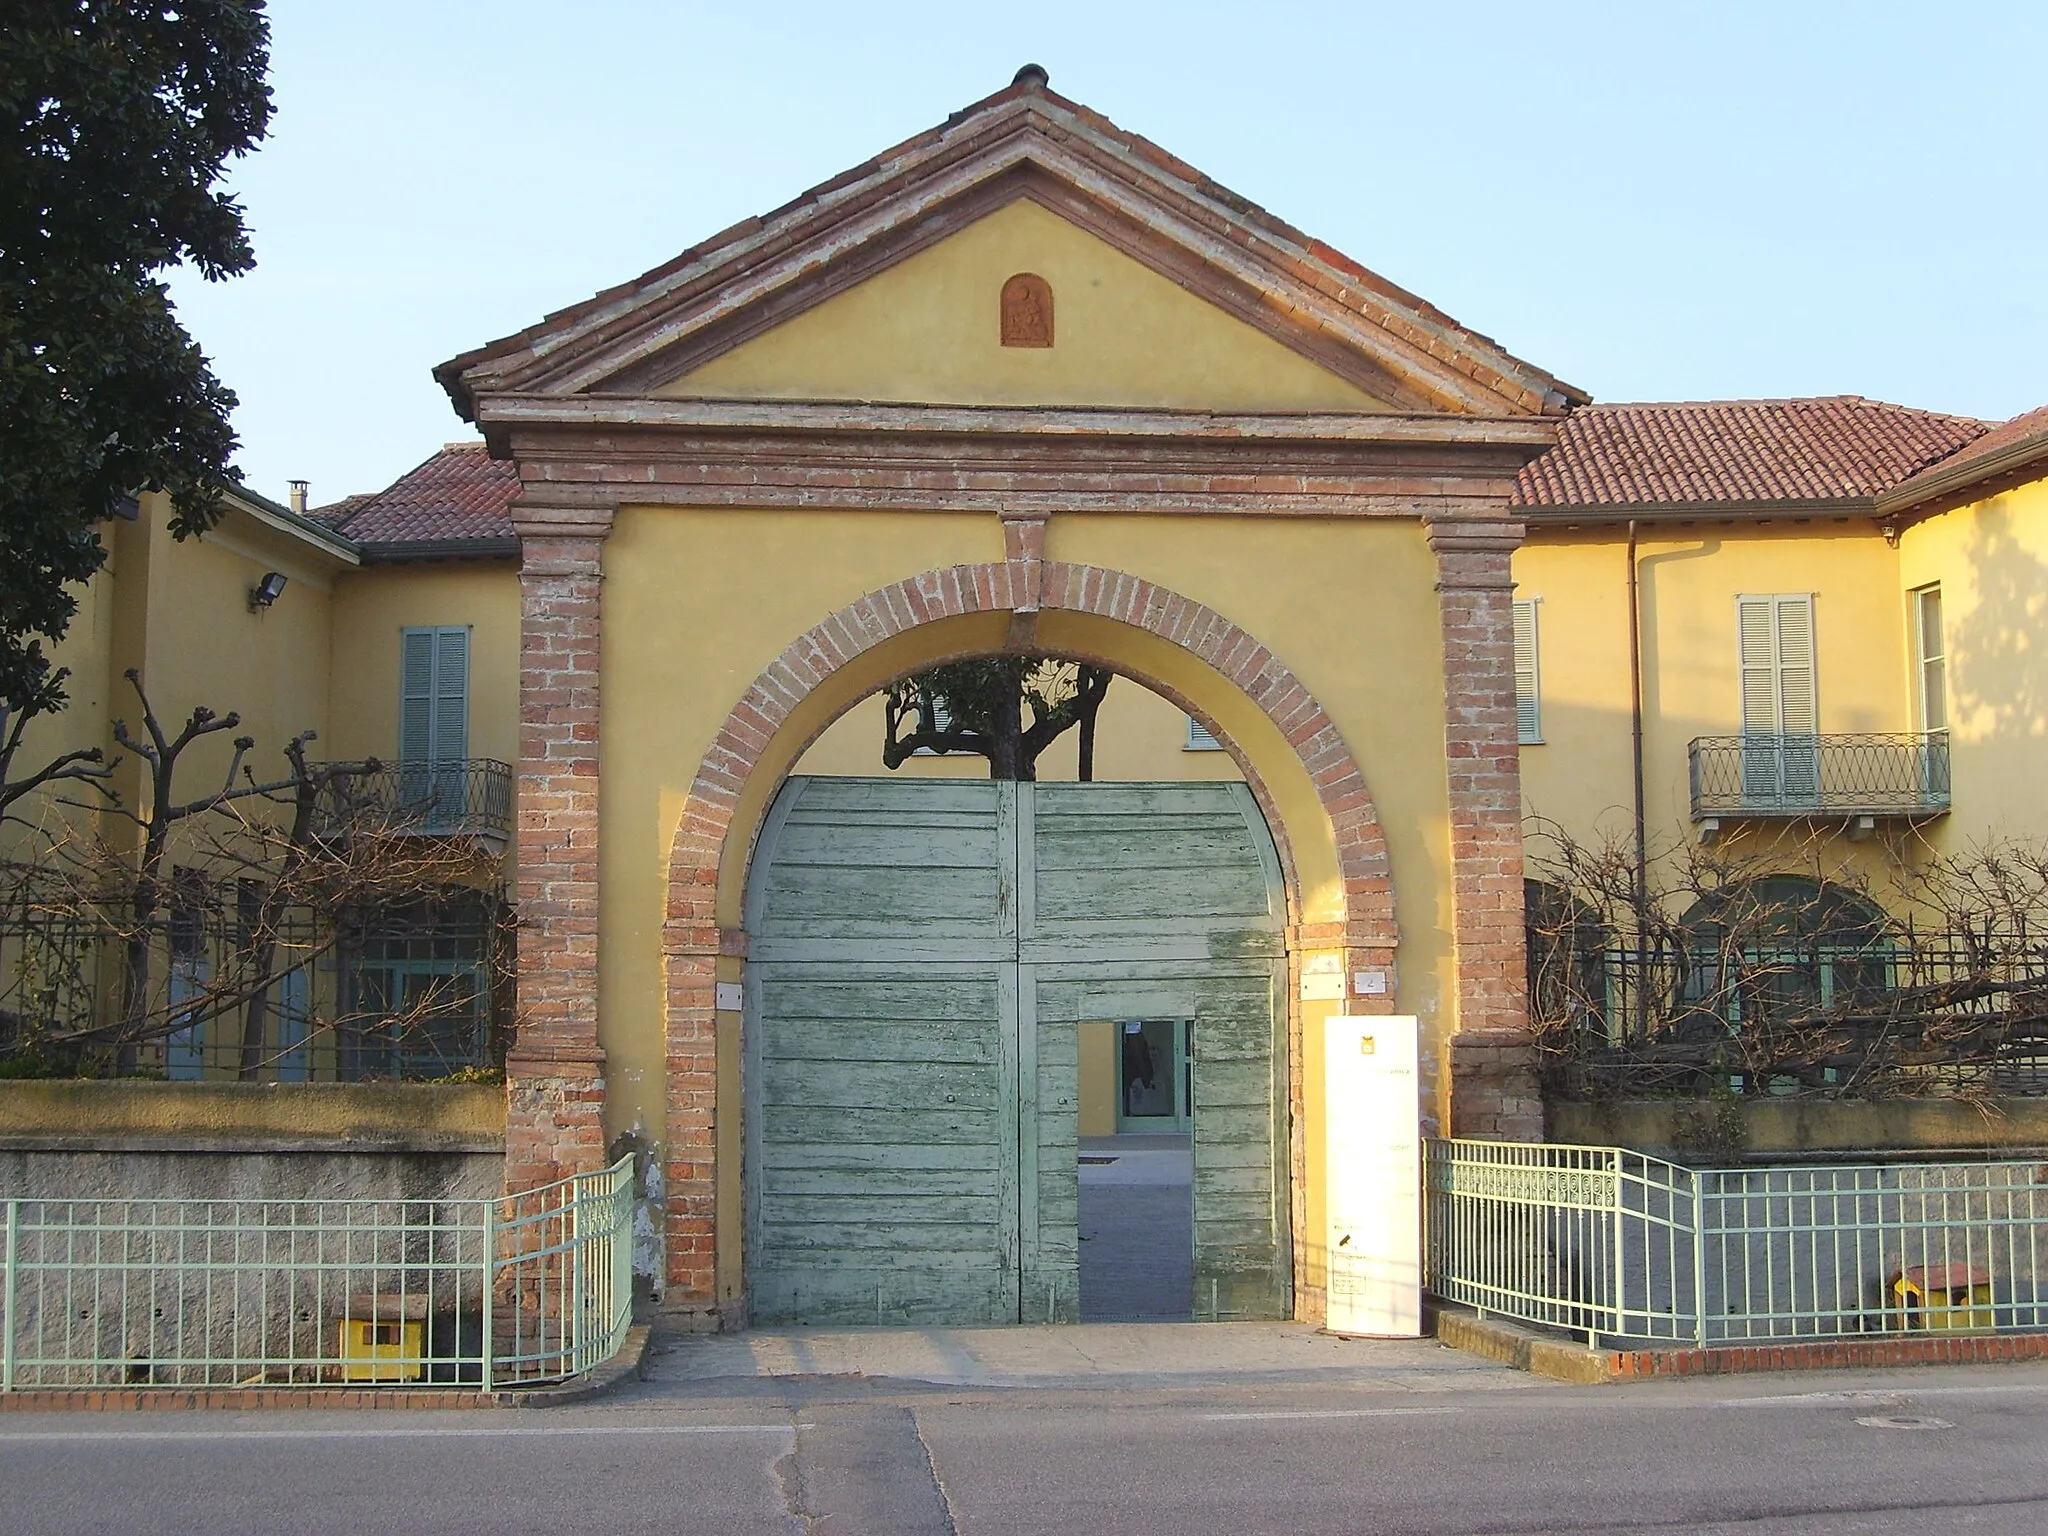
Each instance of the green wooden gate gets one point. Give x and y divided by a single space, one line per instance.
922 955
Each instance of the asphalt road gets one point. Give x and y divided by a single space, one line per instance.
1923 1451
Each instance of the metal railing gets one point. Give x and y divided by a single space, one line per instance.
1624 1247
1843 775
185 1293
466 797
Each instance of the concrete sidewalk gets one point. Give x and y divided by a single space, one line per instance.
1080 1355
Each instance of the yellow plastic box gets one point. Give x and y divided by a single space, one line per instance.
384 1338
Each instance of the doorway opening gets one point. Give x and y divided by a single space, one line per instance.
1137 1195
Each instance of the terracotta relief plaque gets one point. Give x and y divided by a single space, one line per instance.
1027 311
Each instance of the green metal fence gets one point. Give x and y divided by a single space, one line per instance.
494 1292
1627 1248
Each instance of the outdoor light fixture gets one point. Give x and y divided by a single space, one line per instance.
266 591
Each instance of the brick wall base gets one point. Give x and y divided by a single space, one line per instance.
554 1118
1495 1092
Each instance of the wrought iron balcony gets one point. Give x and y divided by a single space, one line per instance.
467 797
1848 775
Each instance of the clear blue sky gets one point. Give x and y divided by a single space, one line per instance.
1654 200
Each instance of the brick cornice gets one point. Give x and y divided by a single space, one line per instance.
564 524
1012 462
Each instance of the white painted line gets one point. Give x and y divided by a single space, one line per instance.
425 1432
1330 1413
1885 1399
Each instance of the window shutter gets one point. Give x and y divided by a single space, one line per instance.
1528 700
451 696
416 707
433 724
1756 621
1201 738
1798 706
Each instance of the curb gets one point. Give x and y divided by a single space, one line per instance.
628 1364
1545 1354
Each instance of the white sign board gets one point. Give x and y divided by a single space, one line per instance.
1374 1170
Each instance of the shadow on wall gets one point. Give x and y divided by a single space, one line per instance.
2001 682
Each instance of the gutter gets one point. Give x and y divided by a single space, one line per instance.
404 551
282 519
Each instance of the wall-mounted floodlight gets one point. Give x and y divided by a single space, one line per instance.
266 591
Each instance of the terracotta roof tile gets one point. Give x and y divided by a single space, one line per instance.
1723 453
460 495
2015 445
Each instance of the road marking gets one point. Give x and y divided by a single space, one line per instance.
1882 1399
1329 1413
424 1433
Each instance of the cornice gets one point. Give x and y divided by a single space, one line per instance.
596 454
515 409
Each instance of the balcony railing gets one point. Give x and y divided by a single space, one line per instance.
1861 775
468 797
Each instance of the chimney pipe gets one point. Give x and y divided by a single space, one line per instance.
298 496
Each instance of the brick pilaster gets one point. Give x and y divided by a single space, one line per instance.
1492 1079
555 1070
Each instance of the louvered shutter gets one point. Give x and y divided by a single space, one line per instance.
1528 701
434 711
416 706
451 695
1798 702
1757 620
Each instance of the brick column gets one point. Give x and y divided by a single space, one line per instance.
554 1073
1494 1089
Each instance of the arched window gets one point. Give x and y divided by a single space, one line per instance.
1781 947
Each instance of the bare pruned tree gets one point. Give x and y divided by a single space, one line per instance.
265 876
1774 969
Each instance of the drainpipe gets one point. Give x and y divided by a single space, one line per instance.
1641 891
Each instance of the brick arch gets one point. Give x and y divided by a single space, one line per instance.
692 939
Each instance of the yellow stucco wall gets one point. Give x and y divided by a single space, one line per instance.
1139 738
1095 1101
376 604
178 611
1991 560
689 624
927 329
1580 776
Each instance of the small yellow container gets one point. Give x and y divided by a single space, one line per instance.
384 1338
1949 1297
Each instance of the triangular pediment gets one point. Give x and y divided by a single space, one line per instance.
884 284
1115 333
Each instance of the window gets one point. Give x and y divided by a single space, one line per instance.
1528 699
1201 738
433 722
1931 653
1780 704
191 973
422 987
1781 948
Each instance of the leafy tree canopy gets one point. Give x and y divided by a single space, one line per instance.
979 707
116 119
